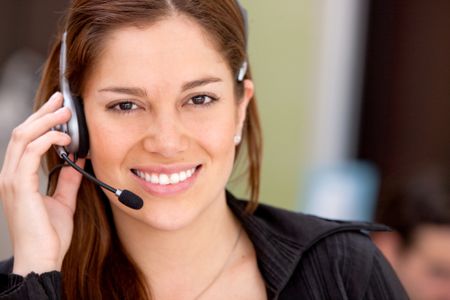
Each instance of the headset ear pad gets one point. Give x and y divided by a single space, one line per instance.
83 147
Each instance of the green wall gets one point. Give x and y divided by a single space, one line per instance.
281 48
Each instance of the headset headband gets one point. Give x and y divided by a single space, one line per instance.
245 18
244 66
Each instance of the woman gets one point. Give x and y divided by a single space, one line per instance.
167 99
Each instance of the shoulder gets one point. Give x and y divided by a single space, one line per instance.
316 257
304 228
337 242
344 265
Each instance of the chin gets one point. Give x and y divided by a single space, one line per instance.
169 220
159 214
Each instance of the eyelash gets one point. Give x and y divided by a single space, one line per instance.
115 107
211 102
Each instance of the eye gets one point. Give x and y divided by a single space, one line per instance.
202 100
125 106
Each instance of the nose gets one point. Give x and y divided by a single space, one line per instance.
166 135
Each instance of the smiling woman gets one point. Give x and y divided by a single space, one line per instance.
168 102
168 119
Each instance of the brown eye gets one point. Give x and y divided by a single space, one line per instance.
201 100
126 106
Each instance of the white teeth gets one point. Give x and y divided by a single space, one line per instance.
165 179
147 177
154 179
174 178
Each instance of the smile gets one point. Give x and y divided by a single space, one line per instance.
165 179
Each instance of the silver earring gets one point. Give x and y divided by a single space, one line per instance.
237 139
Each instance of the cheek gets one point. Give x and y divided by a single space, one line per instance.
108 145
104 148
215 135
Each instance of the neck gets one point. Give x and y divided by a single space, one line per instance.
184 258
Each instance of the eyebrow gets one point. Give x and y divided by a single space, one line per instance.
200 82
132 91
139 92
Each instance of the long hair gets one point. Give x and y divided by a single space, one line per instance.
96 265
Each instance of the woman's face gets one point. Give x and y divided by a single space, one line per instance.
162 113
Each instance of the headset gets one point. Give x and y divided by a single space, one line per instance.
76 127
77 130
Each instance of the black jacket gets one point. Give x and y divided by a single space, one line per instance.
299 257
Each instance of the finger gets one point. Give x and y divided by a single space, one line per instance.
19 133
25 134
69 181
28 167
24 183
53 103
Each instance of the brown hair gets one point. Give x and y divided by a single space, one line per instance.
411 200
96 265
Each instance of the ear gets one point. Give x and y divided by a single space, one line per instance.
242 104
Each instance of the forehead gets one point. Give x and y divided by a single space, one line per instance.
173 43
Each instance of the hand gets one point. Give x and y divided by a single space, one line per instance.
40 226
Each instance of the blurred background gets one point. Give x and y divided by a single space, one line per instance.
350 92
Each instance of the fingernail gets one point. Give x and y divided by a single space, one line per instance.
54 97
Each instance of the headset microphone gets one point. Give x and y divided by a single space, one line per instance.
126 197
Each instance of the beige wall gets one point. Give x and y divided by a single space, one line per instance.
281 49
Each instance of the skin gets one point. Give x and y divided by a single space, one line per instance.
158 98
163 128
423 267
42 246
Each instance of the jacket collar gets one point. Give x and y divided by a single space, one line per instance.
280 238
